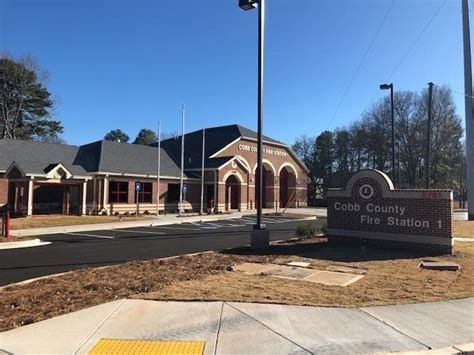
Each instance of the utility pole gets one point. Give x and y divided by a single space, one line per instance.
428 136
158 172
182 163
202 168
468 110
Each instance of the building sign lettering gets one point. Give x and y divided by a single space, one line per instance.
269 151
369 207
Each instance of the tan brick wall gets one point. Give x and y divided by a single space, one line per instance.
3 191
272 188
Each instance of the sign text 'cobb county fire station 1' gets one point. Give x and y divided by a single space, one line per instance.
371 208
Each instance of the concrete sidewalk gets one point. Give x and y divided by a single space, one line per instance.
156 221
246 328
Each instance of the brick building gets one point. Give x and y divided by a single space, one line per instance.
100 177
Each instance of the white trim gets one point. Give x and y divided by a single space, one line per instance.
239 160
245 162
227 146
290 165
144 176
50 174
269 163
236 173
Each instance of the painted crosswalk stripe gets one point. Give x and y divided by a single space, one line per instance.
91 235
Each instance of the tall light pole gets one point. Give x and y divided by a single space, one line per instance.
428 136
260 237
468 103
182 162
386 87
158 173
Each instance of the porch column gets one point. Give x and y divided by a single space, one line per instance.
29 210
106 193
84 200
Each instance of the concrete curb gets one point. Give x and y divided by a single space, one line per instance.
130 224
23 244
464 349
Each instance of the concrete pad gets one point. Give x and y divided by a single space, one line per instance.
439 265
347 269
58 335
334 278
296 273
240 334
151 320
253 268
298 264
435 324
327 330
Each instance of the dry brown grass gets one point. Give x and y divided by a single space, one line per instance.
390 279
56 221
464 229
50 297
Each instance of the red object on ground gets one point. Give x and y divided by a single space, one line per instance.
7 224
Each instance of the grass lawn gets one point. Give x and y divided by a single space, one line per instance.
392 277
56 221
464 229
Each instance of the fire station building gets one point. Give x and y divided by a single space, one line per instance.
100 177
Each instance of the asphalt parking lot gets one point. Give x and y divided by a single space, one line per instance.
70 251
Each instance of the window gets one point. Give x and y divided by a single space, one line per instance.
145 192
173 193
118 191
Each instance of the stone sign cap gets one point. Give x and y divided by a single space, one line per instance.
371 208
386 188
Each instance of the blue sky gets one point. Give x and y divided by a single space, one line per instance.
127 64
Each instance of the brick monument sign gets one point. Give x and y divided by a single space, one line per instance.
370 209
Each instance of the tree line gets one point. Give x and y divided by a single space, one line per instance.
333 156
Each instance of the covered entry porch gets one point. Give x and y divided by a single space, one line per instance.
58 192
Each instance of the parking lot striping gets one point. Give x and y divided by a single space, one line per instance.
181 228
137 231
91 235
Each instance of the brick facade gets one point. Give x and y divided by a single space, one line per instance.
3 191
371 209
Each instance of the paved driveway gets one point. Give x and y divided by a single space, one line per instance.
69 251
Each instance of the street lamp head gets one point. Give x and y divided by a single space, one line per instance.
386 86
248 4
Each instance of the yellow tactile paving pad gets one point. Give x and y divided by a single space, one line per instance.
156 347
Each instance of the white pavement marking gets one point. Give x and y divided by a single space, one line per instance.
181 228
137 231
91 235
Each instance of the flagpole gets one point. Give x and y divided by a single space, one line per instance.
158 172
202 168
182 162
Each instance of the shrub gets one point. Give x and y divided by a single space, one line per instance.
306 230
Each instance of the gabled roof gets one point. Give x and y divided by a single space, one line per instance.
38 158
35 158
134 159
217 138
